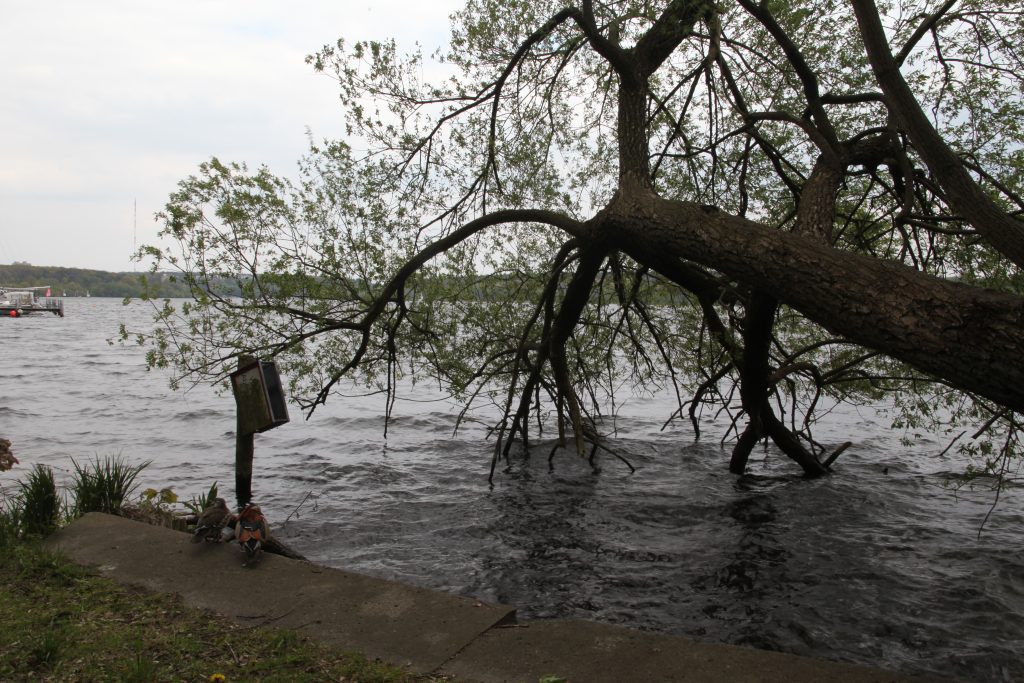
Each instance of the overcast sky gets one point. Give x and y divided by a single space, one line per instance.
111 102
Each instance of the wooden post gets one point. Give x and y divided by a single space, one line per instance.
243 452
244 448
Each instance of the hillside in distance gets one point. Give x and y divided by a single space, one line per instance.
83 282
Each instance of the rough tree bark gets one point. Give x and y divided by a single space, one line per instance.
967 335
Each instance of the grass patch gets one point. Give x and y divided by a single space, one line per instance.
60 622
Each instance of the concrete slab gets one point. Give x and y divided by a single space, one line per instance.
404 625
588 652
427 631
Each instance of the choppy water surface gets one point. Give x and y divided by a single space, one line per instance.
878 564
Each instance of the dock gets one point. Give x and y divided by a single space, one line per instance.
15 303
12 310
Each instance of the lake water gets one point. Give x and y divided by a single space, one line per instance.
878 564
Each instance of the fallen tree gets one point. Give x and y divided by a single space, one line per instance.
769 200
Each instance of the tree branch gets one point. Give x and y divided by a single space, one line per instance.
1004 232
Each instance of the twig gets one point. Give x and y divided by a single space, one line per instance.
598 444
1005 457
297 507
950 444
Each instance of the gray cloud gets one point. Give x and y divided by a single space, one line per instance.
110 102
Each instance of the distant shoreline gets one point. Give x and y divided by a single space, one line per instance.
82 282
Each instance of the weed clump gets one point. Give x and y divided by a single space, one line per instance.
104 485
39 505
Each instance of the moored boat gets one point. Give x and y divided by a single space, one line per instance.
18 301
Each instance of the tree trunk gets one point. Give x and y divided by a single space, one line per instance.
967 335
755 385
758 321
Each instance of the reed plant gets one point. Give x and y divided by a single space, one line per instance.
104 485
38 504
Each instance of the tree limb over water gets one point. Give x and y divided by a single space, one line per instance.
756 202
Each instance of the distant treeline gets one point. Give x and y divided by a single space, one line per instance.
81 282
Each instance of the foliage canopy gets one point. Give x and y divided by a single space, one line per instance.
761 206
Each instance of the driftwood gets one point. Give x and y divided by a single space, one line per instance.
272 545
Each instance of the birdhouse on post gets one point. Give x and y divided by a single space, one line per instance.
259 398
